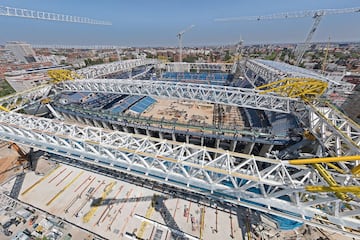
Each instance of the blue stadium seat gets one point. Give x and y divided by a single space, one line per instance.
142 105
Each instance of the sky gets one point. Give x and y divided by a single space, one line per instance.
145 23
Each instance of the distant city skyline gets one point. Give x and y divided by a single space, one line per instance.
143 23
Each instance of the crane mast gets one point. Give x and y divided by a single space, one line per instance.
301 48
179 36
317 15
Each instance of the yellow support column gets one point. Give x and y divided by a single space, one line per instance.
4 109
343 189
296 87
324 160
331 181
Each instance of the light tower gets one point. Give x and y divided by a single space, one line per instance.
179 35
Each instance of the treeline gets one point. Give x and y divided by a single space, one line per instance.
89 62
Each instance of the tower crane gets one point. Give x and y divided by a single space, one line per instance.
323 67
315 14
179 36
27 13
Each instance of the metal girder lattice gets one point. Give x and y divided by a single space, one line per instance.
187 67
20 100
272 71
27 13
114 67
335 131
268 185
240 97
264 71
296 87
301 48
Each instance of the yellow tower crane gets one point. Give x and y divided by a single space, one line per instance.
59 75
315 14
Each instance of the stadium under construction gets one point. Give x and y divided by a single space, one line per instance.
258 134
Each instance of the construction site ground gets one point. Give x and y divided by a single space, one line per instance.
193 113
182 111
112 208
9 165
104 207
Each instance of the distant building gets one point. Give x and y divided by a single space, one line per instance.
23 52
21 80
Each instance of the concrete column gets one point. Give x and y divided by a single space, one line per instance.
117 127
83 120
65 115
136 130
217 143
89 122
161 135
78 119
233 144
187 138
72 117
249 147
265 149
125 129
98 124
173 136
111 126
148 132
104 124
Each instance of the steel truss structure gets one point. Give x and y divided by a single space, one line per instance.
240 97
21 100
101 70
337 133
296 87
264 184
273 71
27 13
268 185
187 67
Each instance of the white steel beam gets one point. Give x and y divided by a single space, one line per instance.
273 71
187 67
27 13
240 97
101 70
20 100
228 175
334 130
338 134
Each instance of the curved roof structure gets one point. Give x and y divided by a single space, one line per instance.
273 71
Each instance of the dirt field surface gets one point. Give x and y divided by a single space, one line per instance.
182 111
8 162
